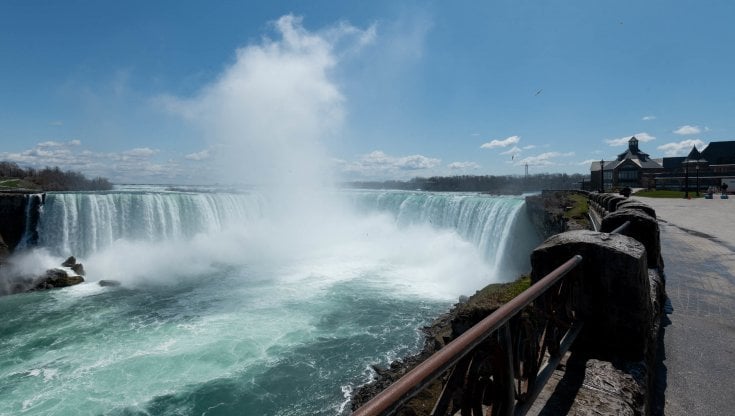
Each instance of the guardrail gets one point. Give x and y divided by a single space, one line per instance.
500 365
503 361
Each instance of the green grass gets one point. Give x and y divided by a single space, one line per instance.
16 183
579 207
664 194
9 183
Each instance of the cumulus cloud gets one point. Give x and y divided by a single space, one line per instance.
138 153
463 165
544 159
588 162
270 110
686 130
133 165
681 148
648 118
508 141
514 151
623 141
198 156
512 140
378 163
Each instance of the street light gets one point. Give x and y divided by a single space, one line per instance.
602 175
686 179
697 167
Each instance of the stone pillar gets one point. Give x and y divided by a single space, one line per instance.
613 202
633 204
643 228
614 300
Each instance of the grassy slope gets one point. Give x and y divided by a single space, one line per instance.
9 184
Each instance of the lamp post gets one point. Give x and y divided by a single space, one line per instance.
697 168
602 175
686 179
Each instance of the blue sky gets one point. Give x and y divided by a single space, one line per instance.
193 92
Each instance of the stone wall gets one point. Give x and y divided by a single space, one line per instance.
621 304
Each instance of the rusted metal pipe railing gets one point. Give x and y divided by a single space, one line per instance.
621 229
390 399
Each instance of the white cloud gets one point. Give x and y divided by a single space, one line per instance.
269 111
132 166
415 162
198 156
529 147
687 130
463 165
623 141
378 163
139 153
588 162
544 159
681 148
512 140
514 151
648 118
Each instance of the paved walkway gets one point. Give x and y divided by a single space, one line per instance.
698 247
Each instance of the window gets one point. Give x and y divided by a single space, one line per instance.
628 175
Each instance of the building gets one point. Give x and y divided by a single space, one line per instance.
632 168
699 171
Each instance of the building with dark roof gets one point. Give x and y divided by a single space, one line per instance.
698 171
633 168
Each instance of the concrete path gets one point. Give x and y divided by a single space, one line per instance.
697 371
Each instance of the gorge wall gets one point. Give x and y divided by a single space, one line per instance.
19 214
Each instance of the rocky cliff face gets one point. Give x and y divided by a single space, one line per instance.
14 214
547 213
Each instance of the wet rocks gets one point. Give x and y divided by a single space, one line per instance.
69 274
55 278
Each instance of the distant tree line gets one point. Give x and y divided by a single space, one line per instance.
489 184
52 179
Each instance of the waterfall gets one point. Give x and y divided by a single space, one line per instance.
491 223
82 223
225 295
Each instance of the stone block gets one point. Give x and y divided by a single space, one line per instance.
633 204
614 297
643 228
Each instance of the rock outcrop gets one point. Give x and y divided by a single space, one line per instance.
12 281
56 278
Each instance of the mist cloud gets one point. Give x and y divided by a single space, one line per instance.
269 111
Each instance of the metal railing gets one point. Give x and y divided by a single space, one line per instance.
502 362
